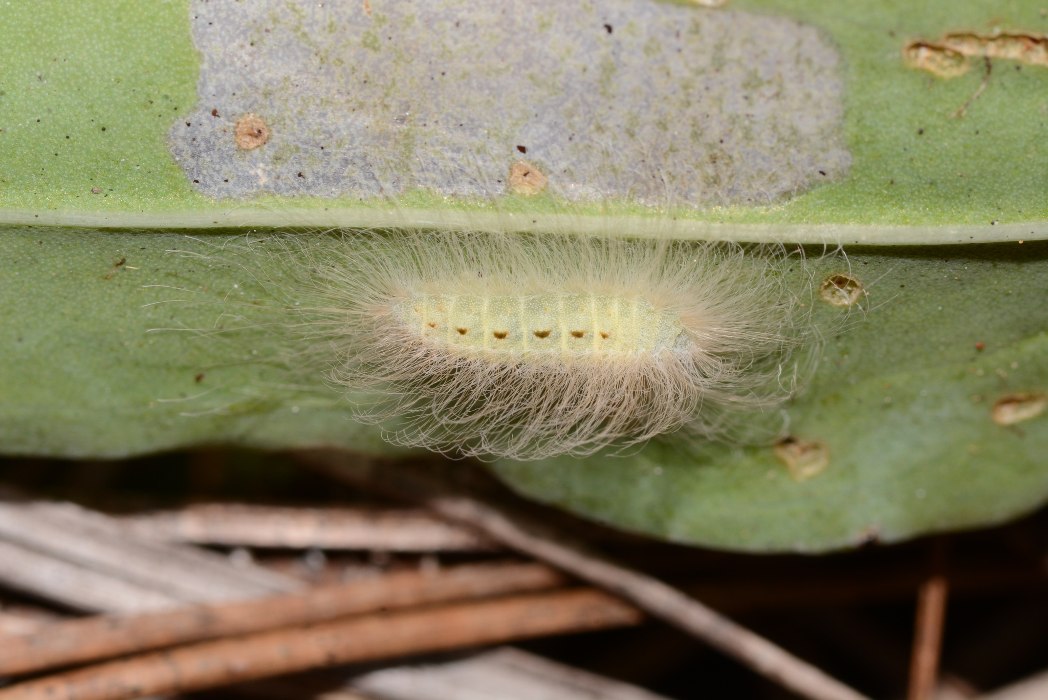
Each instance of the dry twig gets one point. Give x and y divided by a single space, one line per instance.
375 529
505 673
927 638
89 561
366 638
91 639
530 536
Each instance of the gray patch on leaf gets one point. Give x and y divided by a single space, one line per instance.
631 99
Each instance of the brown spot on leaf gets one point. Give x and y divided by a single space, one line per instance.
841 290
250 132
116 267
803 459
1016 408
948 57
1030 49
935 59
526 179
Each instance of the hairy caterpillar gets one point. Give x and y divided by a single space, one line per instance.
530 346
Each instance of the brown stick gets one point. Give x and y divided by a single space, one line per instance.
76 641
88 560
659 599
928 628
237 524
378 636
529 535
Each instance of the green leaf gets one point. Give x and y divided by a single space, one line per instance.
917 173
110 343
903 401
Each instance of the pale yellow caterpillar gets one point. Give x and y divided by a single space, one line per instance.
502 345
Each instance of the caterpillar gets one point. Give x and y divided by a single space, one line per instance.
525 347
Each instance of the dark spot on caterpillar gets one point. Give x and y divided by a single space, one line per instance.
604 335
577 334
501 335
462 331
199 377
431 324
541 334
522 149
608 28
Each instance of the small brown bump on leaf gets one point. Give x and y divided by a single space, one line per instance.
841 290
804 459
1030 49
935 59
251 132
1016 408
116 268
526 179
199 377
96 190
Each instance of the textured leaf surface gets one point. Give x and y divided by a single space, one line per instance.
903 400
105 357
96 95
107 342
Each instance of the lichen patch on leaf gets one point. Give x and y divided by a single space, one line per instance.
637 101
